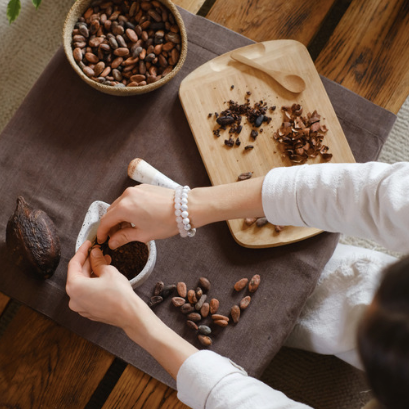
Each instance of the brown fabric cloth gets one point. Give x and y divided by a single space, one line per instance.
69 145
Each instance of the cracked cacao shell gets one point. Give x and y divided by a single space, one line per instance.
32 239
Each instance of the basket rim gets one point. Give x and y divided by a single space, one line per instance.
78 9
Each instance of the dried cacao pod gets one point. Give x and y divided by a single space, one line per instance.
32 239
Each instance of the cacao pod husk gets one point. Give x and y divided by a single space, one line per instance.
32 240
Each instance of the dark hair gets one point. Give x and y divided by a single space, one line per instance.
383 338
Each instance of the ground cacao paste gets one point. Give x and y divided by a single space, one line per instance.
129 259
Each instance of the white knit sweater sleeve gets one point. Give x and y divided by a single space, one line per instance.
207 380
368 200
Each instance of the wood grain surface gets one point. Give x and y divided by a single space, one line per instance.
207 89
4 300
43 365
136 390
190 5
263 20
368 52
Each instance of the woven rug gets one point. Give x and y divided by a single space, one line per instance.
27 46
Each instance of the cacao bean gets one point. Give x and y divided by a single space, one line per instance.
204 311
117 62
77 53
187 308
99 68
106 71
261 221
121 52
221 323
216 317
191 296
95 42
204 283
225 120
138 78
174 37
159 286
83 29
214 305
167 290
113 42
194 316
199 292
250 220
204 329
32 239
91 58
192 325
245 302
200 303
78 38
245 176
254 283
132 35
235 313
155 300
205 340
259 120
121 42
178 301
168 46
241 284
89 72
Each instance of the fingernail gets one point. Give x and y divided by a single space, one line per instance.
113 244
96 252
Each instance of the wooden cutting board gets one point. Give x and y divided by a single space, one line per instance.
209 88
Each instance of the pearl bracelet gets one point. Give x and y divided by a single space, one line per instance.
182 215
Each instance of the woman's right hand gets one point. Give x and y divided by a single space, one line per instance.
149 208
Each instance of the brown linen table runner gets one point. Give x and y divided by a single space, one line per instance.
69 145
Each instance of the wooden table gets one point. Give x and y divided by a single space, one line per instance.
361 44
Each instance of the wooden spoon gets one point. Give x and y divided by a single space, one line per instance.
292 82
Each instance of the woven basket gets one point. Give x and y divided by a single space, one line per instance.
78 9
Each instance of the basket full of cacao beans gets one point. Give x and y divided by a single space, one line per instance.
125 47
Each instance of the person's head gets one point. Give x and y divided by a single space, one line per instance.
383 338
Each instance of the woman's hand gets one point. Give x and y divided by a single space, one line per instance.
99 291
149 208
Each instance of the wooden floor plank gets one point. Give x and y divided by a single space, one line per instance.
4 300
190 5
368 52
264 20
43 365
136 390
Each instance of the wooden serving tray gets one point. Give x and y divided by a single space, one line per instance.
209 88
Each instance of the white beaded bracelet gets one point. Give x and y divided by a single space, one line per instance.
182 215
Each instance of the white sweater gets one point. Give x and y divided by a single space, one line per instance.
365 200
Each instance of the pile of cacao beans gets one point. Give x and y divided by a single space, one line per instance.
196 304
126 43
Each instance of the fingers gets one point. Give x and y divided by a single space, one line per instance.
125 236
98 261
107 222
76 264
